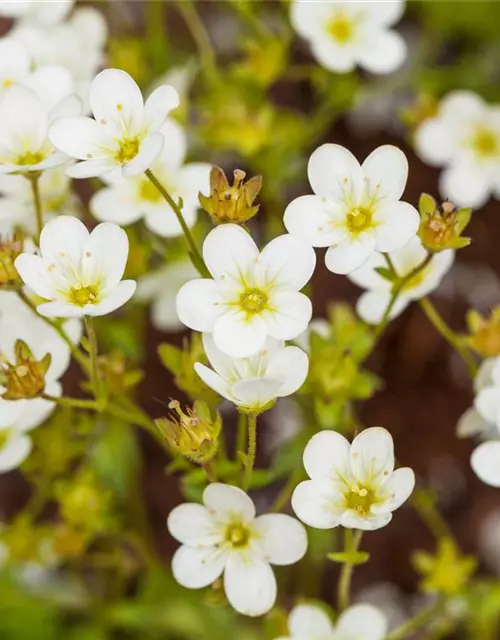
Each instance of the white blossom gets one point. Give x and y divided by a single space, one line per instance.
225 537
353 485
485 462
161 288
78 273
358 622
252 295
356 209
43 12
127 200
464 138
273 372
343 34
125 132
373 303
24 124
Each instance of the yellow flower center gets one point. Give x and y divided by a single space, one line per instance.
360 499
30 157
147 191
129 148
81 295
238 535
486 143
341 29
359 219
8 82
253 301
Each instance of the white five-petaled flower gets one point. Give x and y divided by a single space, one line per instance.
78 273
359 622
343 34
252 383
356 209
252 295
372 304
24 124
483 419
464 138
125 132
224 536
353 485
43 12
127 200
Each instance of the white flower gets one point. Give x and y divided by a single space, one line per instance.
125 132
485 461
161 288
483 419
15 445
224 536
44 12
274 372
351 485
127 200
359 622
24 123
356 210
464 138
343 34
252 296
79 273
16 203
373 303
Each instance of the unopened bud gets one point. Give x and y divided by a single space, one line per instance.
484 333
231 203
192 433
441 226
25 378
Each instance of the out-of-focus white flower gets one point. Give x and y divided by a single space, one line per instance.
127 200
161 289
125 132
485 461
343 34
464 138
43 12
14 63
15 445
225 537
359 622
79 273
319 326
24 124
16 203
252 296
373 303
353 485
356 209
477 421
274 372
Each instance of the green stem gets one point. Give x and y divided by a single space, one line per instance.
200 35
449 335
352 542
252 450
35 190
241 436
75 403
284 495
409 627
93 351
199 262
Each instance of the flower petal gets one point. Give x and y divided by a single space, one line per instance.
287 261
114 298
350 254
91 168
397 223
82 138
63 240
465 185
114 204
14 452
291 366
310 217
283 539
433 142
60 310
487 404
229 251
353 520
215 381
198 304
117 103
255 393
33 273
317 503
159 104
149 152
105 254
385 14
289 315
362 621
372 305
250 585
308 621
326 456
228 502
238 334
485 461
372 456
197 568
472 424
23 117
193 525
382 51
386 169
334 172
399 488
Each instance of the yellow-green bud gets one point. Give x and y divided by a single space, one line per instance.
192 433
441 226
447 572
484 333
231 203
25 378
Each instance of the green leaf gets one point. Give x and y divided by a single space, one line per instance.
356 558
171 357
426 205
385 273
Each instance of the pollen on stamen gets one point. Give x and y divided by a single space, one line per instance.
119 107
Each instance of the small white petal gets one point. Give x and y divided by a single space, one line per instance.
372 455
334 171
487 404
197 568
69 106
82 138
291 365
433 142
250 585
382 51
228 502
229 251
14 452
471 424
193 525
149 151
399 488
385 14
326 456
372 305
198 304
362 621
354 520
114 205
397 223
91 168
238 334
159 104
214 381
308 621
333 56
113 298
350 254
311 218
290 315
105 254
33 273
465 185
60 310
485 461
117 103
283 539
255 393
387 171
318 503
285 262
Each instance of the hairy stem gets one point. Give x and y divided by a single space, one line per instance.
37 201
94 368
252 449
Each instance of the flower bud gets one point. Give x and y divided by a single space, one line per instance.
10 248
193 433
118 379
484 333
25 378
441 226
231 204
